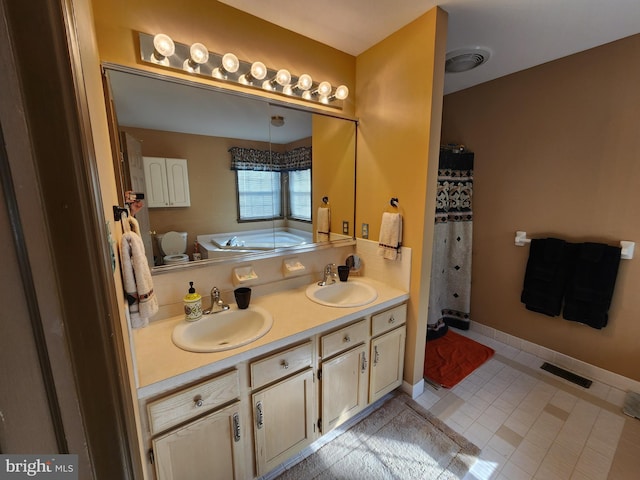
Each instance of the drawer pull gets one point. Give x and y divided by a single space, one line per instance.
392 320
284 364
347 338
236 427
259 415
376 356
198 402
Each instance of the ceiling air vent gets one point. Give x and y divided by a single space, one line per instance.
466 59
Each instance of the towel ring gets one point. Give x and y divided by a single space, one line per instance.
325 200
394 202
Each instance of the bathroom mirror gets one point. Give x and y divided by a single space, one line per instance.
159 116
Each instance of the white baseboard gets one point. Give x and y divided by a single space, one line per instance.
413 391
560 359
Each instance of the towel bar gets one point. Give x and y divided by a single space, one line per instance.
625 254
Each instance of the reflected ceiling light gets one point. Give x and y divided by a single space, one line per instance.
230 64
282 78
258 71
163 47
198 54
277 121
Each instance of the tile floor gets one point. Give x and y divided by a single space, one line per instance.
531 424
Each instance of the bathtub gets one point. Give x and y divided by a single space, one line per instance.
251 241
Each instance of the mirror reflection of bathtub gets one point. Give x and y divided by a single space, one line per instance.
251 241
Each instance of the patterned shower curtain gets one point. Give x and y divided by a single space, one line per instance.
450 294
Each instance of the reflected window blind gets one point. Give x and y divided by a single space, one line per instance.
259 195
300 194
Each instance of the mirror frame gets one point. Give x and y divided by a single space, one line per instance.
244 257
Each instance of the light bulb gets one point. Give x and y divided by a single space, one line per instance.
258 71
198 54
306 95
282 78
163 47
342 92
305 82
324 89
230 64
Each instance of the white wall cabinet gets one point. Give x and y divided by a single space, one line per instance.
167 181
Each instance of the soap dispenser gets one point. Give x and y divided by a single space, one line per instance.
192 305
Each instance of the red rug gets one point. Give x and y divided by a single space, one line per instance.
452 357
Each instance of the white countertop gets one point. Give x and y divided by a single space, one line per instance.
161 365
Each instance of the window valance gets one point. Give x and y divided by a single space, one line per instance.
267 161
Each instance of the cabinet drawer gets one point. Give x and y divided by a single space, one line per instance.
191 402
281 364
344 338
388 320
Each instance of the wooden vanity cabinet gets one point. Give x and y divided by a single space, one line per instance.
199 433
388 331
283 405
343 374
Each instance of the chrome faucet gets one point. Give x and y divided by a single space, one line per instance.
330 275
217 305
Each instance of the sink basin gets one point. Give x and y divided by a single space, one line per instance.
342 294
224 330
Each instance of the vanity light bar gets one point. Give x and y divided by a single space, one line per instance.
161 50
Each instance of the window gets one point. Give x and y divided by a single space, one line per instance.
300 195
259 195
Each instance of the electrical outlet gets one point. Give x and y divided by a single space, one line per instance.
345 227
365 230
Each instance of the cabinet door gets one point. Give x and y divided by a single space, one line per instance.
211 447
387 363
178 182
155 176
283 420
344 387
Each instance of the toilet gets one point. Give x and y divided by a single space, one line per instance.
173 246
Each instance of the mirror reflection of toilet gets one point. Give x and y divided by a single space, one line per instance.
173 247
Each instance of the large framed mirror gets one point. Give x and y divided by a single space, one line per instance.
230 175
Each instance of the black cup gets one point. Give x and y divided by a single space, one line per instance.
243 296
343 272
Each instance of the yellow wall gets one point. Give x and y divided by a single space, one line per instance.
333 174
222 29
399 91
398 94
555 155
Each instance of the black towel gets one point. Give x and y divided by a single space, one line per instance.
590 288
548 269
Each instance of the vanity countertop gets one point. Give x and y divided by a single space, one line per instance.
160 365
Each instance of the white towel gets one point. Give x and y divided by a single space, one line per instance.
324 221
137 280
390 235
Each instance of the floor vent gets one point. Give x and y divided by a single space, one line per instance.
567 375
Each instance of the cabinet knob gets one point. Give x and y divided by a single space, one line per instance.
347 338
392 320
198 401
284 364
